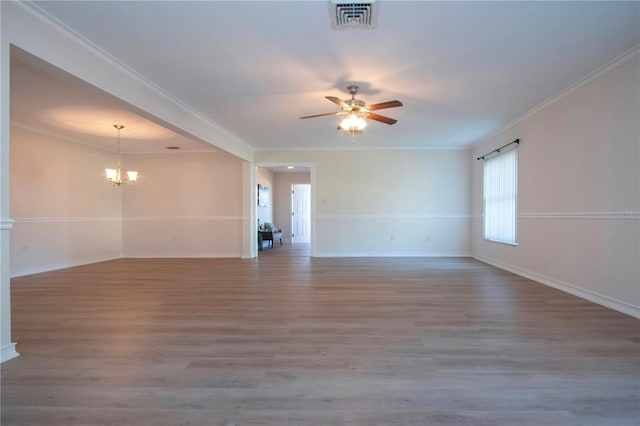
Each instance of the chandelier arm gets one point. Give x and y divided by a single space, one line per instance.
116 179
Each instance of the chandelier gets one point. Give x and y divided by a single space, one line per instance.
113 175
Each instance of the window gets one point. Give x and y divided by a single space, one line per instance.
501 197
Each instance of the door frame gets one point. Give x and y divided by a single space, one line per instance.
312 178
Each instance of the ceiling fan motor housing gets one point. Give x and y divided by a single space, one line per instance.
354 104
356 110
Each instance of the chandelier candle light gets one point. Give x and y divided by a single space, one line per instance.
113 175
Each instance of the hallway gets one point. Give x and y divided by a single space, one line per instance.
286 250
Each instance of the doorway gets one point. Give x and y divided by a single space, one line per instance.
300 213
290 207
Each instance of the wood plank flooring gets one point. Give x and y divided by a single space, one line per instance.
282 340
286 249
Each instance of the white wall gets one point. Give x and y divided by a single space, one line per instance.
282 200
65 213
579 191
184 205
7 347
386 203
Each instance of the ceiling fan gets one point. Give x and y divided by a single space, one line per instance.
356 111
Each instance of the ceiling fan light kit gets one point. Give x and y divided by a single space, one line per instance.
356 111
352 122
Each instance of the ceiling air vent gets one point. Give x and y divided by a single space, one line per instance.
349 15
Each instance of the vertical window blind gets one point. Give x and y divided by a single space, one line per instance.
501 197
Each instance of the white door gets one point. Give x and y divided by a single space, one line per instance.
300 213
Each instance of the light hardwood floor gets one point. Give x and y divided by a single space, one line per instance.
282 340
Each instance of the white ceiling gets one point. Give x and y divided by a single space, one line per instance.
462 69
48 100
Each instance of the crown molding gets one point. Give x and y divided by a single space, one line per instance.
58 136
66 30
366 148
564 92
164 151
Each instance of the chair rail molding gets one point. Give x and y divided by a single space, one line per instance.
6 223
603 215
182 218
65 219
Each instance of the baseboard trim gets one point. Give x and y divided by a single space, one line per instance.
599 299
56 266
319 253
183 256
390 216
8 352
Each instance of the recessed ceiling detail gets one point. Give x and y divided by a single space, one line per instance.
67 108
348 15
98 120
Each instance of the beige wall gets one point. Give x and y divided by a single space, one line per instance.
184 205
579 192
190 204
65 213
385 202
